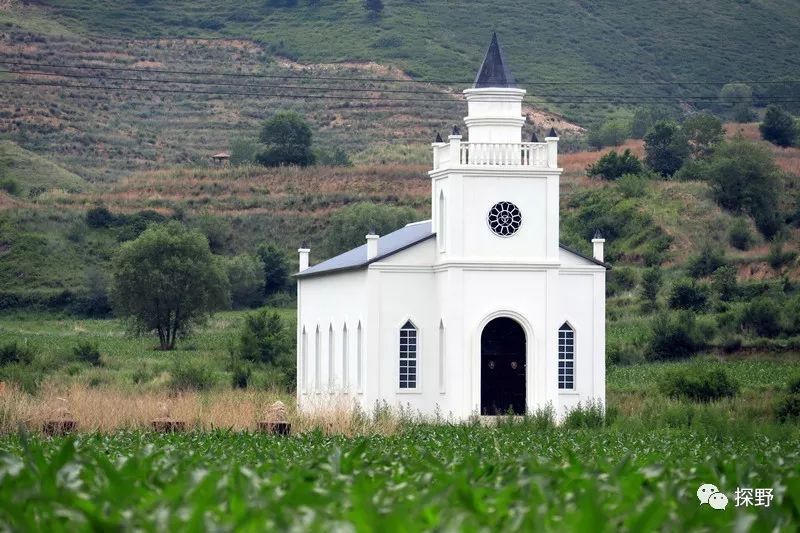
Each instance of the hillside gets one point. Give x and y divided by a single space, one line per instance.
35 174
567 48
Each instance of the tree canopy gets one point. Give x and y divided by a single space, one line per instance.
166 280
666 148
347 227
288 141
778 127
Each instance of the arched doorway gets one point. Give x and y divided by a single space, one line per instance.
503 367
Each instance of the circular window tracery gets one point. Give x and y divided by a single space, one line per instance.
504 219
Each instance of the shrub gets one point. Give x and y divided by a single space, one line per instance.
613 165
788 408
724 283
288 141
632 185
702 386
620 279
778 127
666 148
706 262
777 258
240 376
186 376
651 283
763 317
10 185
589 416
610 133
675 337
264 339
739 236
704 131
276 269
15 353
100 217
687 294
87 352
246 280
793 387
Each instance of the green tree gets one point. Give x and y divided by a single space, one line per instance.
744 178
613 165
166 280
736 100
651 284
704 132
347 227
246 280
666 148
610 133
244 151
724 283
645 117
778 127
276 269
264 338
288 141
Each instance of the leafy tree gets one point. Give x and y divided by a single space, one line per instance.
778 127
246 280
613 165
651 283
276 269
787 91
645 117
687 294
610 133
217 230
264 338
244 151
675 336
100 217
666 148
736 99
744 178
166 280
762 316
347 227
288 141
704 132
709 259
724 283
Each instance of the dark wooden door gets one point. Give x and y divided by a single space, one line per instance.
503 367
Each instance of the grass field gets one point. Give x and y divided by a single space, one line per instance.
437 478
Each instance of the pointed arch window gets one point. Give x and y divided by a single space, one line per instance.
441 230
408 356
331 357
566 357
359 359
345 359
304 360
317 360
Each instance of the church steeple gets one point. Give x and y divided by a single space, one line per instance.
494 71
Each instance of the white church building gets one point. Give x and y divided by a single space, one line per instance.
477 311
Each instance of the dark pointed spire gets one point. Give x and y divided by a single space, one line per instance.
598 235
456 131
534 138
494 70
438 138
552 133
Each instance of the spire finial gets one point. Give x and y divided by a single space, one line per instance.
456 130
552 133
438 138
534 138
494 70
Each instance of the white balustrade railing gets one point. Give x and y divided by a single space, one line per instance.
471 154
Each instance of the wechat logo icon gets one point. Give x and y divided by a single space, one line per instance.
710 494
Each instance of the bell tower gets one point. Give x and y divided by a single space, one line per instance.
495 195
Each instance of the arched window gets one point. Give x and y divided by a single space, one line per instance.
345 359
408 356
304 360
359 359
441 232
331 354
442 352
566 357
317 360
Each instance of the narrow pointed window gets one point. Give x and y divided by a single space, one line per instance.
442 353
441 230
304 360
331 357
345 359
408 356
566 357
317 360
359 359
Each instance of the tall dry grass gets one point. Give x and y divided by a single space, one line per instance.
107 410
